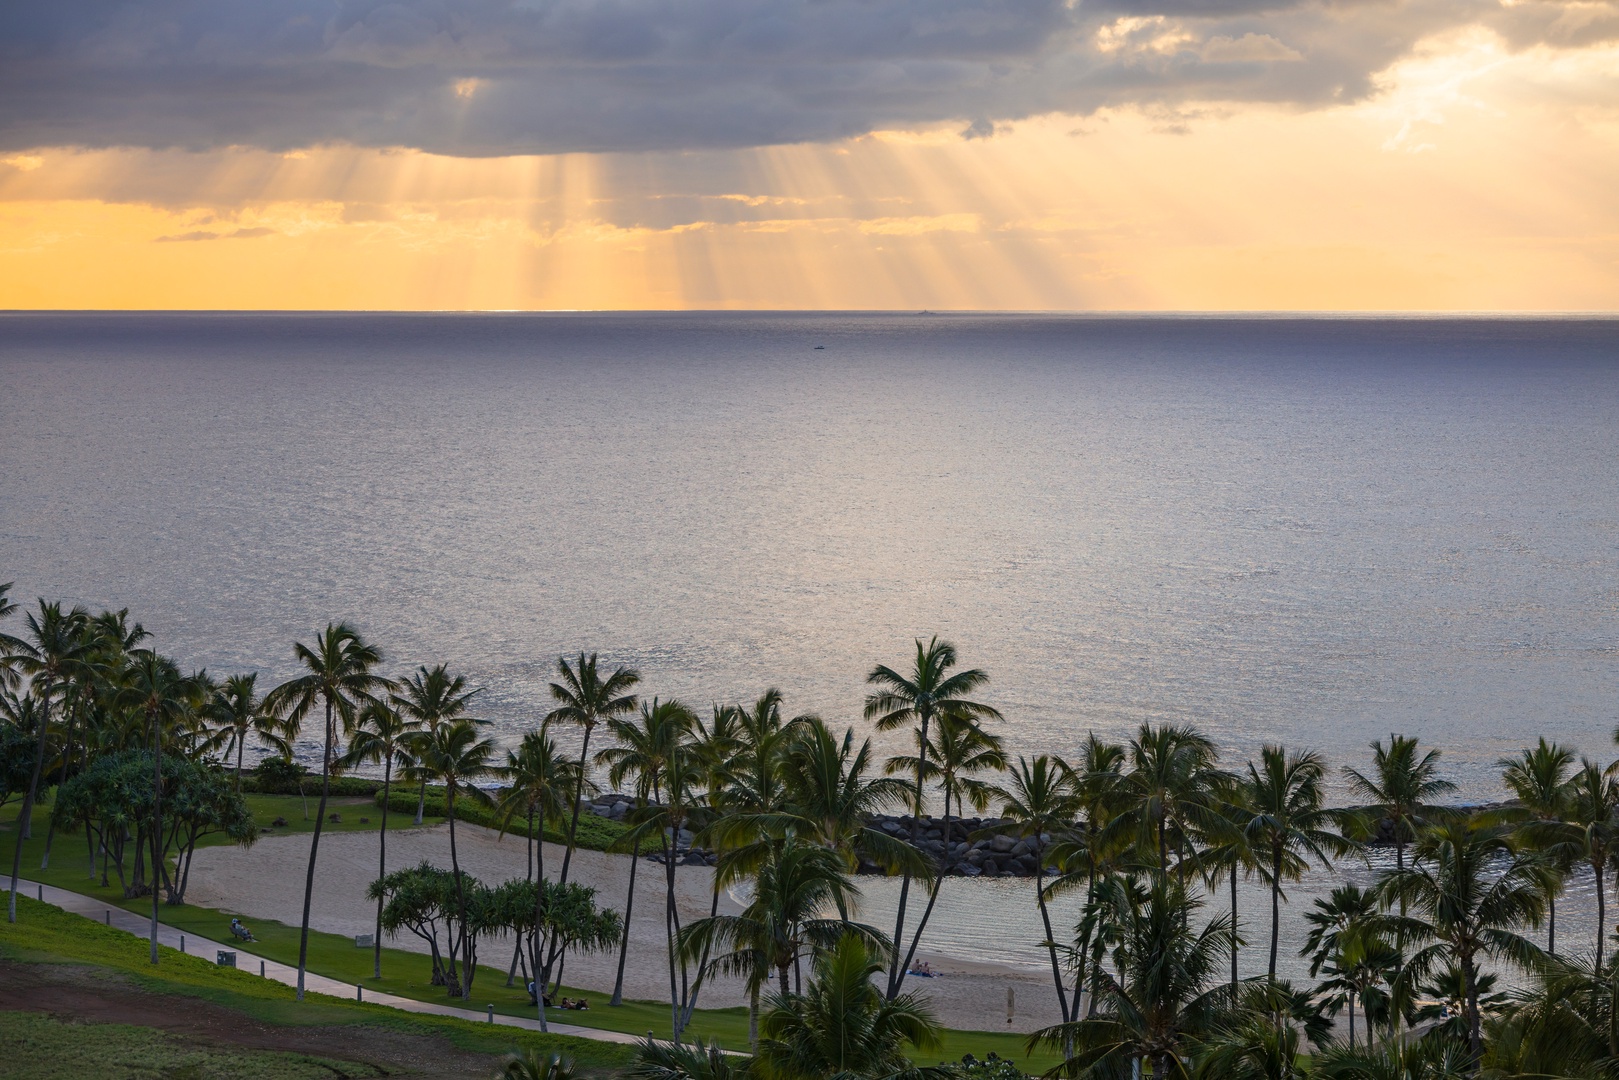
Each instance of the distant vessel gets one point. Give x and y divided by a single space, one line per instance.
820 346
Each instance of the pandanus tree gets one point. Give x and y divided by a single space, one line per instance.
237 715
1288 824
1039 805
926 691
338 677
1466 895
48 656
1539 780
429 699
842 1027
458 755
154 686
383 737
584 698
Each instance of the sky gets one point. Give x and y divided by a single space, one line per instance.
791 154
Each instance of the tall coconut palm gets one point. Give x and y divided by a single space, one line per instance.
339 677
1401 788
238 714
841 1027
1166 994
1289 824
457 755
9 646
429 699
1098 784
383 737
1169 795
1539 779
1592 832
47 657
926 691
1038 801
539 780
782 920
1467 894
1231 852
154 686
832 799
586 699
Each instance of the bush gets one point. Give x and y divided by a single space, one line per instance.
278 776
595 834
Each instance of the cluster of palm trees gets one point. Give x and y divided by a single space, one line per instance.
1148 833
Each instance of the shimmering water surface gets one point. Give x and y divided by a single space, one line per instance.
1312 531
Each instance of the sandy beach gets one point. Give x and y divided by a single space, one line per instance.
266 882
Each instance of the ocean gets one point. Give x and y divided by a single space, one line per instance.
1313 531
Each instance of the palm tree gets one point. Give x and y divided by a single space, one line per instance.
1231 853
781 922
47 657
238 713
428 699
701 1060
1289 823
1165 995
1169 795
1359 962
1083 853
1401 789
1468 891
381 736
9 646
339 678
155 687
1592 831
533 1065
538 779
926 692
1539 780
1039 803
832 799
584 698
841 1027
457 756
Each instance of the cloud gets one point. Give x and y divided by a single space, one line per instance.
201 234
499 77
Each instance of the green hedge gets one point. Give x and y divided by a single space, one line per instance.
595 833
343 786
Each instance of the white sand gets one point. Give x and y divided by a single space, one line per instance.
267 882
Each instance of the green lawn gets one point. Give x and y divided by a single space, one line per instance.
406 973
46 934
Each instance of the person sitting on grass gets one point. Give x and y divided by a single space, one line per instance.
548 1002
239 931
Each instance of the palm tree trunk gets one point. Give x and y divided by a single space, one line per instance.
1234 945
669 929
27 815
896 972
1551 925
241 748
933 891
157 819
61 778
578 793
1602 914
1351 1019
1475 1042
421 800
460 895
314 849
1275 908
702 964
382 865
1051 940
753 1019
624 942
539 917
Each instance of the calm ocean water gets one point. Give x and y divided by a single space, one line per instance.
1305 530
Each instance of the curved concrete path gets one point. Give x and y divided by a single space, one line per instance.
140 926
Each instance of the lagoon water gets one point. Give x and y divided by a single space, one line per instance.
1312 531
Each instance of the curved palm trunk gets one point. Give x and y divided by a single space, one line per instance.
671 929
1051 940
157 823
1602 912
314 849
26 817
624 943
382 866
578 793
241 749
896 972
539 917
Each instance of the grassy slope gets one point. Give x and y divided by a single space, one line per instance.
406 973
45 934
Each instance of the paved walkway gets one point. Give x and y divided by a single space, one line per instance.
91 908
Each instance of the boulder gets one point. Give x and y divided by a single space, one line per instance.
1002 843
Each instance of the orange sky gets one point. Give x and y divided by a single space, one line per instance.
1476 178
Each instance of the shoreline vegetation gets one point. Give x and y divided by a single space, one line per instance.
1449 964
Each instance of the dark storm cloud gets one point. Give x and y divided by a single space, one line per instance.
485 77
